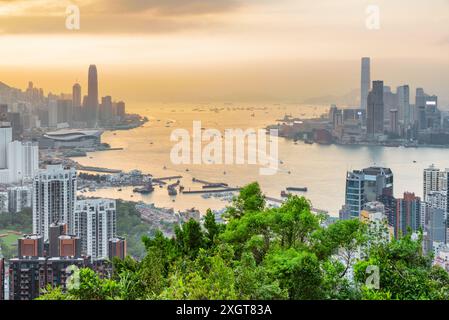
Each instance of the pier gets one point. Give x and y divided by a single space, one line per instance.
163 179
300 189
207 183
97 169
211 191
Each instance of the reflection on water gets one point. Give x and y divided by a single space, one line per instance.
319 168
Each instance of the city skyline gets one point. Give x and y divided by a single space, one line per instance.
285 51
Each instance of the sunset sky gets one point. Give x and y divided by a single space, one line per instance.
224 50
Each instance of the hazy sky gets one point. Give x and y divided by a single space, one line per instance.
216 50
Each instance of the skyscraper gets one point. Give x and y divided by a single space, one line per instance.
407 215
405 114
92 96
394 124
367 185
95 223
54 198
365 83
76 95
433 180
5 140
375 113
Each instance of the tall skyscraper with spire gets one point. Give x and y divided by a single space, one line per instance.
366 83
92 96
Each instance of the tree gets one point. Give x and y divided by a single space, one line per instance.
213 229
250 199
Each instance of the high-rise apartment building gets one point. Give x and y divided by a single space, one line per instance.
2 279
408 215
54 196
19 161
95 223
33 270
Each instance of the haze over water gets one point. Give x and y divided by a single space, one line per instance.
320 168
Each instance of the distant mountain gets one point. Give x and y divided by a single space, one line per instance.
4 87
350 99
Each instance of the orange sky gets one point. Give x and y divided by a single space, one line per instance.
216 50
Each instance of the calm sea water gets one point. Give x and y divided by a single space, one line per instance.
320 168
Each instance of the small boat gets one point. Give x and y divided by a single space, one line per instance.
414 161
284 194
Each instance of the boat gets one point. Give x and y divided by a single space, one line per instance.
284 194
300 189
172 191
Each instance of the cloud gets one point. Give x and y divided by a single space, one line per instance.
113 16
167 7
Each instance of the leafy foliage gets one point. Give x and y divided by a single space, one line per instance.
262 253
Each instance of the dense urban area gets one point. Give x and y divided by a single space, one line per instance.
256 247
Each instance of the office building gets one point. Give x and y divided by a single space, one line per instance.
64 111
390 102
403 96
375 113
76 96
365 83
54 196
120 110
366 185
394 121
92 97
106 112
95 223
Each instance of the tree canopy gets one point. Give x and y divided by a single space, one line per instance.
268 253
